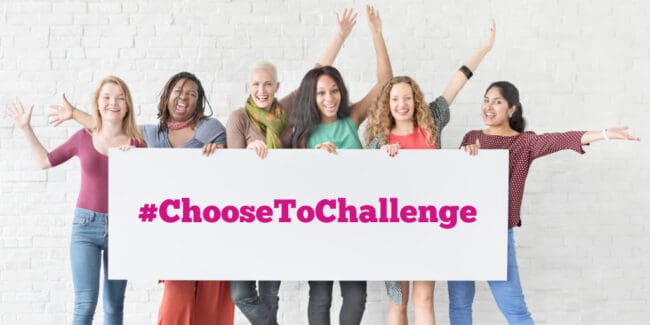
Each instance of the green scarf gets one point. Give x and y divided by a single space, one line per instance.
269 123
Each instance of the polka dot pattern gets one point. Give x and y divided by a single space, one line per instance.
524 148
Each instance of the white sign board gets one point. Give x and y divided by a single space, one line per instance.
308 215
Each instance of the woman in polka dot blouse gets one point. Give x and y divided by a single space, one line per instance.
503 115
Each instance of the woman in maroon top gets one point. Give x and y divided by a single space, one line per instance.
115 127
502 113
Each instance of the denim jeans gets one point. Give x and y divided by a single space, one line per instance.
89 239
320 301
259 309
507 294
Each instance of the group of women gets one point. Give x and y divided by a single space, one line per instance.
317 115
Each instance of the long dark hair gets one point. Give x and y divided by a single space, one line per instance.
510 93
201 101
306 116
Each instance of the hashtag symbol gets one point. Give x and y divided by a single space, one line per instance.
148 212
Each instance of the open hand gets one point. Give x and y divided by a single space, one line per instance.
18 114
346 22
60 113
374 21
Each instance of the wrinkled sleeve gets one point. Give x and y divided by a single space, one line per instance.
66 150
548 143
236 130
211 131
440 111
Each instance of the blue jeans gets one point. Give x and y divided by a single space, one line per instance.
320 301
259 309
507 294
89 239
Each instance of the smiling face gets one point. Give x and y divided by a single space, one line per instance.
262 87
495 109
111 103
402 103
183 98
328 98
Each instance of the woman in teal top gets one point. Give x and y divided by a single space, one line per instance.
323 118
342 133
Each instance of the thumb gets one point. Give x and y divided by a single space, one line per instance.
478 143
29 112
65 100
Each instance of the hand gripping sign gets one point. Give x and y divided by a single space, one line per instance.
308 215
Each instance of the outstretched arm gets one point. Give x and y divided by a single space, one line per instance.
345 22
459 79
608 134
62 113
22 119
384 69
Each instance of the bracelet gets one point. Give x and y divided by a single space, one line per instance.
605 134
466 71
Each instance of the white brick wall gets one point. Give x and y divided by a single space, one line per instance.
584 250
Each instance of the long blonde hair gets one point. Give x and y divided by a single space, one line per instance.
128 122
381 121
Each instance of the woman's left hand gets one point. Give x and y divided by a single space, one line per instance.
125 147
373 19
493 33
210 148
620 133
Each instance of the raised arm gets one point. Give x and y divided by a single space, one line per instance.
344 22
22 119
614 133
384 69
62 113
460 77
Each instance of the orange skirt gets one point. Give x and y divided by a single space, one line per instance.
196 303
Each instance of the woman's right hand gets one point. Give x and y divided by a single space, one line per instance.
21 118
472 149
346 22
260 148
327 146
61 113
391 149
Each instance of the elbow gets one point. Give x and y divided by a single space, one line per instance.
44 163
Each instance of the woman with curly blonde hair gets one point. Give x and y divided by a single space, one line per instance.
383 120
401 118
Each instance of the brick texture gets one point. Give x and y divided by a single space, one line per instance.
584 249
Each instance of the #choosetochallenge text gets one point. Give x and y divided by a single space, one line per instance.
385 210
